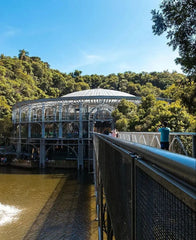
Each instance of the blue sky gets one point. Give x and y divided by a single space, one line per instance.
94 36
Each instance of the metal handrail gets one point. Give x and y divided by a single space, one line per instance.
180 166
138 136
148 192
152 133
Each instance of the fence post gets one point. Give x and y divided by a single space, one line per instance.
100 208
109 227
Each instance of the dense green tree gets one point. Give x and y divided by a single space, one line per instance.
164 79
133 88
126 107
4 107
147 89
5 120
94 80
28 78
133 121
122 124
178 19
188 97
23 54
5 129
146 104
58 81
122 82
150 113
116 114
70 86
81 86
180 120
110 82
186 93
125 113
76 73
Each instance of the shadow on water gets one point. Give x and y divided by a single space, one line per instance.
69 213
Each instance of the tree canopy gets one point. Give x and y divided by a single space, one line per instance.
27 78
149 114
178 19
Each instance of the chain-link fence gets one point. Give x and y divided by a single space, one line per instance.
149 193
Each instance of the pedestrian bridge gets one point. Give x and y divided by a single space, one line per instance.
179 142
143 192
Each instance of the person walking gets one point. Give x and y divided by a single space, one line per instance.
114 133
164 130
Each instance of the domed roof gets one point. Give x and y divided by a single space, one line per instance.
98 92
94 96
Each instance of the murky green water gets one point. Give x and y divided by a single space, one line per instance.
58 205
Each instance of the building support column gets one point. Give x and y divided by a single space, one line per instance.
60 121
18 148
43 121
89 143
29 122
80 140
29 130
42 154
42 151
14 116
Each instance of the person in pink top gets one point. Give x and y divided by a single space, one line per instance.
114 133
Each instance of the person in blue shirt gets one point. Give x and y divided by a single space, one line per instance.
164 130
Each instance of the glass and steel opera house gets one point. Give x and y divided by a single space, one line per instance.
59 131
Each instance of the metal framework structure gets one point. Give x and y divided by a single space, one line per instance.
59 131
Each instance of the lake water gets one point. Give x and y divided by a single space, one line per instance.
47 205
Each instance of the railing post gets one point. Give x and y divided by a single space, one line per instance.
134 189
100 207
109 227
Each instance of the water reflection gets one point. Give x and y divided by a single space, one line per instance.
8 214
58 205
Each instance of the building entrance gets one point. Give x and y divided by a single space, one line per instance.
104 127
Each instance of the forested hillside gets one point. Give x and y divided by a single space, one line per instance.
24 78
